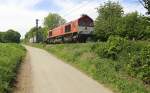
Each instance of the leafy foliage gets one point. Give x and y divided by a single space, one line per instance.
53 20
139 65
147 33
112 48
41 33
10 36
133 26
1 36
107 21
136 55
9 64
111 21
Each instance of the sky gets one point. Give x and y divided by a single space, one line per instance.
20 15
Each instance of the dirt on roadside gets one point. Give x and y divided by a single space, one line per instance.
24 82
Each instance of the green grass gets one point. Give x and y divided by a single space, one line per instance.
10 57
111 73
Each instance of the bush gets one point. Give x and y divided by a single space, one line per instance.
112 48
133 57
139 65
147 33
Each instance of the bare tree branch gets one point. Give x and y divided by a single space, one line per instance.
146 4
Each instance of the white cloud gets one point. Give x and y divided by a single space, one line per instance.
19 3
16 15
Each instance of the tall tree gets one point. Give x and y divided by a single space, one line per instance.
133 26
146 4
1 36
107 21
53 20
41 33
11 36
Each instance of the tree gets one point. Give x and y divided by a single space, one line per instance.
31 34
12 36
53 20
147 33
1 36
133 23
133 26
146 4
41 33
107 21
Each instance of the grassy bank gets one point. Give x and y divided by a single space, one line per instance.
111 70
10 57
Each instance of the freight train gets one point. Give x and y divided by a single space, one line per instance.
75 31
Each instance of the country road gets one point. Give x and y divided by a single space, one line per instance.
44 73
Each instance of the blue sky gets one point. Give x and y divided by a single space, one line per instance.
47 5
21 14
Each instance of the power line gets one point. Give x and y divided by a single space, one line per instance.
76 8
80 5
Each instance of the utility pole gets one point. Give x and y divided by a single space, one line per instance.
37 27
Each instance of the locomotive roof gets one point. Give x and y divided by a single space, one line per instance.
83 16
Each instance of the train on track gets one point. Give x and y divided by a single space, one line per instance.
75 31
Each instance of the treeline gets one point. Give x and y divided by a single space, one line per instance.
10 36
112 21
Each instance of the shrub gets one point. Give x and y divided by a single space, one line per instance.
139 65
112 48
147 33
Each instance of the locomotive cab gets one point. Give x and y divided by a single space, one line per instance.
85 28
85 25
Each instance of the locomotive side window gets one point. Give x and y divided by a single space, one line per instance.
68 28
50 33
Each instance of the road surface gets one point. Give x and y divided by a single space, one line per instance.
43 73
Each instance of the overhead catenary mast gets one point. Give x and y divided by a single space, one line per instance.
37 26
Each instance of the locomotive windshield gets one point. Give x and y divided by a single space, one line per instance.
86 22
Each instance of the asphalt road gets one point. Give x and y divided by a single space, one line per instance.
44 73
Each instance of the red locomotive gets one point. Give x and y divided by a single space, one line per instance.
74 31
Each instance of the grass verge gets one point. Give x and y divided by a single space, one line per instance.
11 56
